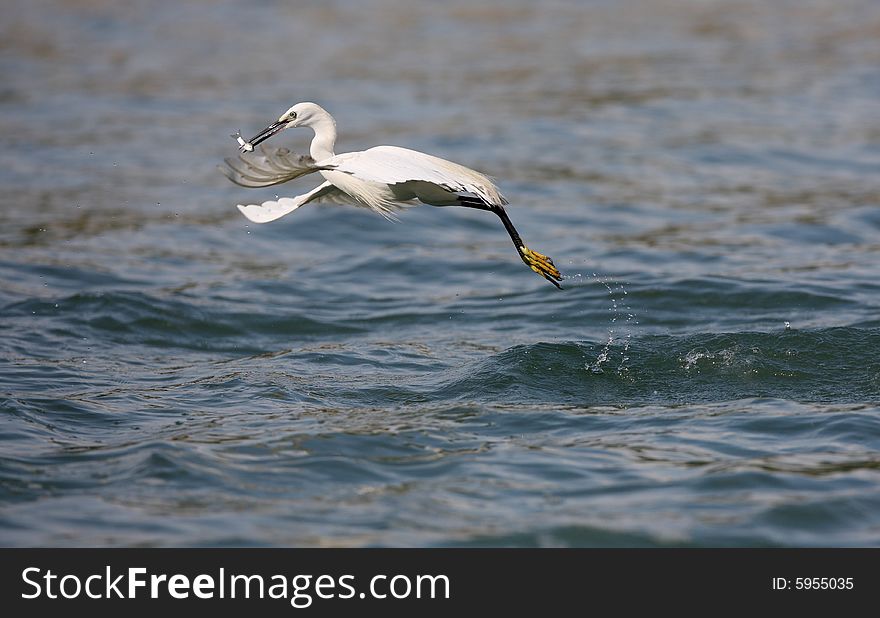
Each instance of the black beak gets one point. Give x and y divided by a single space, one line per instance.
268 132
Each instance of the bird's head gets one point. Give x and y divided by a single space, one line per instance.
300 115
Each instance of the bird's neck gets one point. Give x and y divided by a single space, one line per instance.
325 139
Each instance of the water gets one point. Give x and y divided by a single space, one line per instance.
705 173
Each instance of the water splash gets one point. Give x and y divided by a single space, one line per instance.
620 328
695 359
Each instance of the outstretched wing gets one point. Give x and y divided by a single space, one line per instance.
267 168
271 210
394 165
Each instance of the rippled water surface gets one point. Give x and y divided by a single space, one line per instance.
706 174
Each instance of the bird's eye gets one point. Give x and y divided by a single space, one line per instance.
293 115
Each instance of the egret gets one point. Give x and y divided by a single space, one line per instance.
383 178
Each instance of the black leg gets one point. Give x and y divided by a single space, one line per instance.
538 262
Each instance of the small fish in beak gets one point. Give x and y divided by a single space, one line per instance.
242 145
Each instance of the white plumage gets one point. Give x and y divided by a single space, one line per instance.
412 169
383 178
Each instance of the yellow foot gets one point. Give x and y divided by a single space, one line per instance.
541 264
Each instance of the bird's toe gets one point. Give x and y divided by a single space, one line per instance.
542 265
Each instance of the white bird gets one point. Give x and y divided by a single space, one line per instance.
383 178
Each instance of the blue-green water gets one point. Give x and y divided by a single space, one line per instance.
707 175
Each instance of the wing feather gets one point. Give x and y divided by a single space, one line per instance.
275 209
267 168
